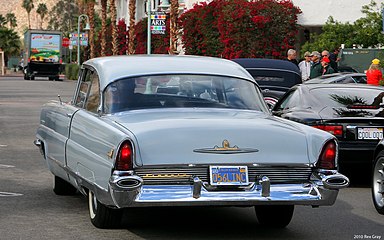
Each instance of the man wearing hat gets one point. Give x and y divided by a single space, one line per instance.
327 69
316 68
305 66
374 74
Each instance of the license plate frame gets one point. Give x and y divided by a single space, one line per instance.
370 133
228 175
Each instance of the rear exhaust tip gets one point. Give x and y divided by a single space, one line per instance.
129 183
336 181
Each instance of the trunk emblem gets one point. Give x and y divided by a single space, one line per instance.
226 149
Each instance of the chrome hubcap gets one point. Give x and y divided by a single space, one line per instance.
378 182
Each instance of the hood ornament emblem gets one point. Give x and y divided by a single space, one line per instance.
225 149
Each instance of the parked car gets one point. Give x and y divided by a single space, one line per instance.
154 130
344 68
274 76
378 178
340 77
354 113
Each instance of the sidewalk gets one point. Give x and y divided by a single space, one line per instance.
12 73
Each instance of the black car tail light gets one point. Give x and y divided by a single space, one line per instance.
363 106
124 159
327 159
336 130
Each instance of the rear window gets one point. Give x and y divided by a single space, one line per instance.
275 78
182 91
349 97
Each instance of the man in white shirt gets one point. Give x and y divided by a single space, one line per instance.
305 66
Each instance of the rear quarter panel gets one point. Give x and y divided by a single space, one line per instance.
92 139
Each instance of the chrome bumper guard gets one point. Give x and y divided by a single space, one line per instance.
128 190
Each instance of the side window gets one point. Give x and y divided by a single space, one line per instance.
88 95
93 100
290 100
82 89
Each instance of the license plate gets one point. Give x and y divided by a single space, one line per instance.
228 175
370 133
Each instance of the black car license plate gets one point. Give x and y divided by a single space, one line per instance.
370 133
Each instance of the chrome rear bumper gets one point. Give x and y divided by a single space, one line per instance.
128 190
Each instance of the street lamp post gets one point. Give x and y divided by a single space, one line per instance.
78 34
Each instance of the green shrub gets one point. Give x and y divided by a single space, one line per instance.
71 71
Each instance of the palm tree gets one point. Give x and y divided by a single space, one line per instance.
42 10
131 33
89 7
11 19
28 6
3 20
173 31
91 15
112 9
103 41
9 42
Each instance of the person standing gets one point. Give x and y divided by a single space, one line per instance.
332 63
327 69
316 68
291 56
374 74
305 66
334 56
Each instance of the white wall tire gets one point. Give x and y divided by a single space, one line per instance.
102 216
378 183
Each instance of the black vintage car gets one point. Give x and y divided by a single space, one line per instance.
274 76
354 113
340 77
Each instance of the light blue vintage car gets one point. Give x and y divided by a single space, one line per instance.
159 130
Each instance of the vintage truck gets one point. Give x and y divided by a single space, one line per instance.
42 54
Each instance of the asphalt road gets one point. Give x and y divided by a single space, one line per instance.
30 210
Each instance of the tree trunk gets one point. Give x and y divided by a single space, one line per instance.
115 47
174 31
29 21
131 33
103 41
91 37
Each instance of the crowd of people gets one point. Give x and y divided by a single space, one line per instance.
315 64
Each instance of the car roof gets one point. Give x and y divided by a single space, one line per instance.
268 64
334 77
341 74
339 85
113 68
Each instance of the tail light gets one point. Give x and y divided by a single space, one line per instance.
124 159
327 159
336 130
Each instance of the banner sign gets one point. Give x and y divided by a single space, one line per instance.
74 38
158 22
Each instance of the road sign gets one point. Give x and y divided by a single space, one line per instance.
158 22
65 42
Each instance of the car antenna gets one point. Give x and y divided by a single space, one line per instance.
61 102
